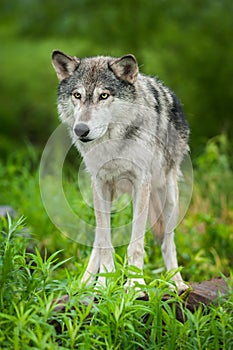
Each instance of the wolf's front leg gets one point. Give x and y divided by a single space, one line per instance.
101 259
135 250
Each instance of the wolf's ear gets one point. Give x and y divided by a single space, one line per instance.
63 64
125 68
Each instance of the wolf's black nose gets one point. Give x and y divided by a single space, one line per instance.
81 130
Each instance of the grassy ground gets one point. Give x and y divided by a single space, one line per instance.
39 264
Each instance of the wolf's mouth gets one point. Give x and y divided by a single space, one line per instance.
85 139
96 133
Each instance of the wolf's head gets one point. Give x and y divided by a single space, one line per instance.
90 90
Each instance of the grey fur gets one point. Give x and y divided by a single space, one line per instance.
137 131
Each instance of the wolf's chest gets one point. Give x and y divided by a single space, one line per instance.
116 159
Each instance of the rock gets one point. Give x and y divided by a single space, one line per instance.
4 209
200 295
203 294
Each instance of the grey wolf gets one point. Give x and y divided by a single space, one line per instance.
132 133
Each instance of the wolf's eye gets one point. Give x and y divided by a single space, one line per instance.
104 96
77 95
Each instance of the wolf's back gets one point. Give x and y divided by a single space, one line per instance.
164 118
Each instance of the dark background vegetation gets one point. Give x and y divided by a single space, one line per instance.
188 44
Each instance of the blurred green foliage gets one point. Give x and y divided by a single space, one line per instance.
188 44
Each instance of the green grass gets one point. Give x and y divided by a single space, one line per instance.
28 319
38 264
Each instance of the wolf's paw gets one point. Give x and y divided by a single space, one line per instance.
181 287
136 284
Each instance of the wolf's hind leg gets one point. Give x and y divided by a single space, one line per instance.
155 215
171 210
